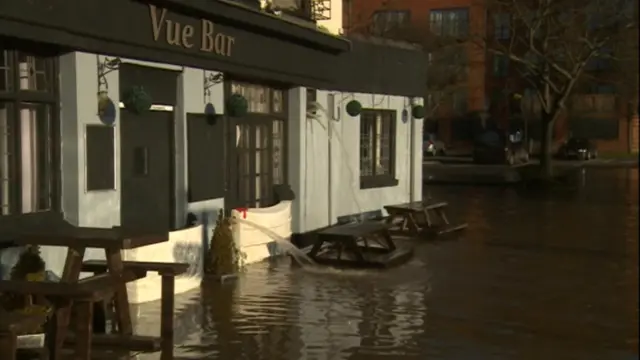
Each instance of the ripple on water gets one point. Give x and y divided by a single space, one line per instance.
534 277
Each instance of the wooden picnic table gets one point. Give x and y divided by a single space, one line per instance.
347 236
77 240
417 217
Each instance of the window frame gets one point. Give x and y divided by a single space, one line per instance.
500 67
501 26
379 180
462 28
17 98
389 26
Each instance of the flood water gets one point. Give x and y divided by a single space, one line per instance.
535 276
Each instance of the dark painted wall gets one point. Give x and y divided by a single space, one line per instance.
217 36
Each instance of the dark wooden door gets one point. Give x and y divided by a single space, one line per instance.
146 143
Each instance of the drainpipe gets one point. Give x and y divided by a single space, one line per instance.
412 152
330 116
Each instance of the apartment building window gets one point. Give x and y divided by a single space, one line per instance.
388 21
500 65
377 148
28 136
450 22
502 26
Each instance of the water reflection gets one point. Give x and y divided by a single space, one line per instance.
536 276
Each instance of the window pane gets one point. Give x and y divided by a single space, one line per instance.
385 145
277 101
33 72
5 158
5 72
367 138
277 152
36 157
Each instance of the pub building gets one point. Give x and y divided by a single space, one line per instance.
156 114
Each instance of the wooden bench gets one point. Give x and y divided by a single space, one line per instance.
418 217
167 272
62 295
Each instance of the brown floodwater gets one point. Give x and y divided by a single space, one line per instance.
538 276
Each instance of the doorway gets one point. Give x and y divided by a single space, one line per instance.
146 163
256 146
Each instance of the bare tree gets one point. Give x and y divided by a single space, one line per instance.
550 43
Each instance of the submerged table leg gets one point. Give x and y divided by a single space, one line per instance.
71 273
8 345
84 330
123 315
166 317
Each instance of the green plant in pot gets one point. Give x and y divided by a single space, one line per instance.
237 105
137 100
354 108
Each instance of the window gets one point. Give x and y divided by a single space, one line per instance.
377 148
500 65
450 22
387 21
260 145
602 62
28 136
502 26
100 157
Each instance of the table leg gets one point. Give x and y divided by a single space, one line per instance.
84 330
8 345
115 266
387 238
443 216
413 225
166 316
71 273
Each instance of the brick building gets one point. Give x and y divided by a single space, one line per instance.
600 110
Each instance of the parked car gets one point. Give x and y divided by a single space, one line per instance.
578 148
491 147
431 146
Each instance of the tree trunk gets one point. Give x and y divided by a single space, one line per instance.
546 143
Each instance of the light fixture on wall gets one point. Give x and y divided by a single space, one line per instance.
106 109
210 80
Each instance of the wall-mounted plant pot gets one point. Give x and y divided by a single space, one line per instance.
136 100
237 105
354 108
418 112
106 109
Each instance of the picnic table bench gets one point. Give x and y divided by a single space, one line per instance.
418 218
113 241
167 272
83 293
366 244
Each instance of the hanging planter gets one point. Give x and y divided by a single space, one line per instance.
418 112
354 108
237 105
106 109
136 100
